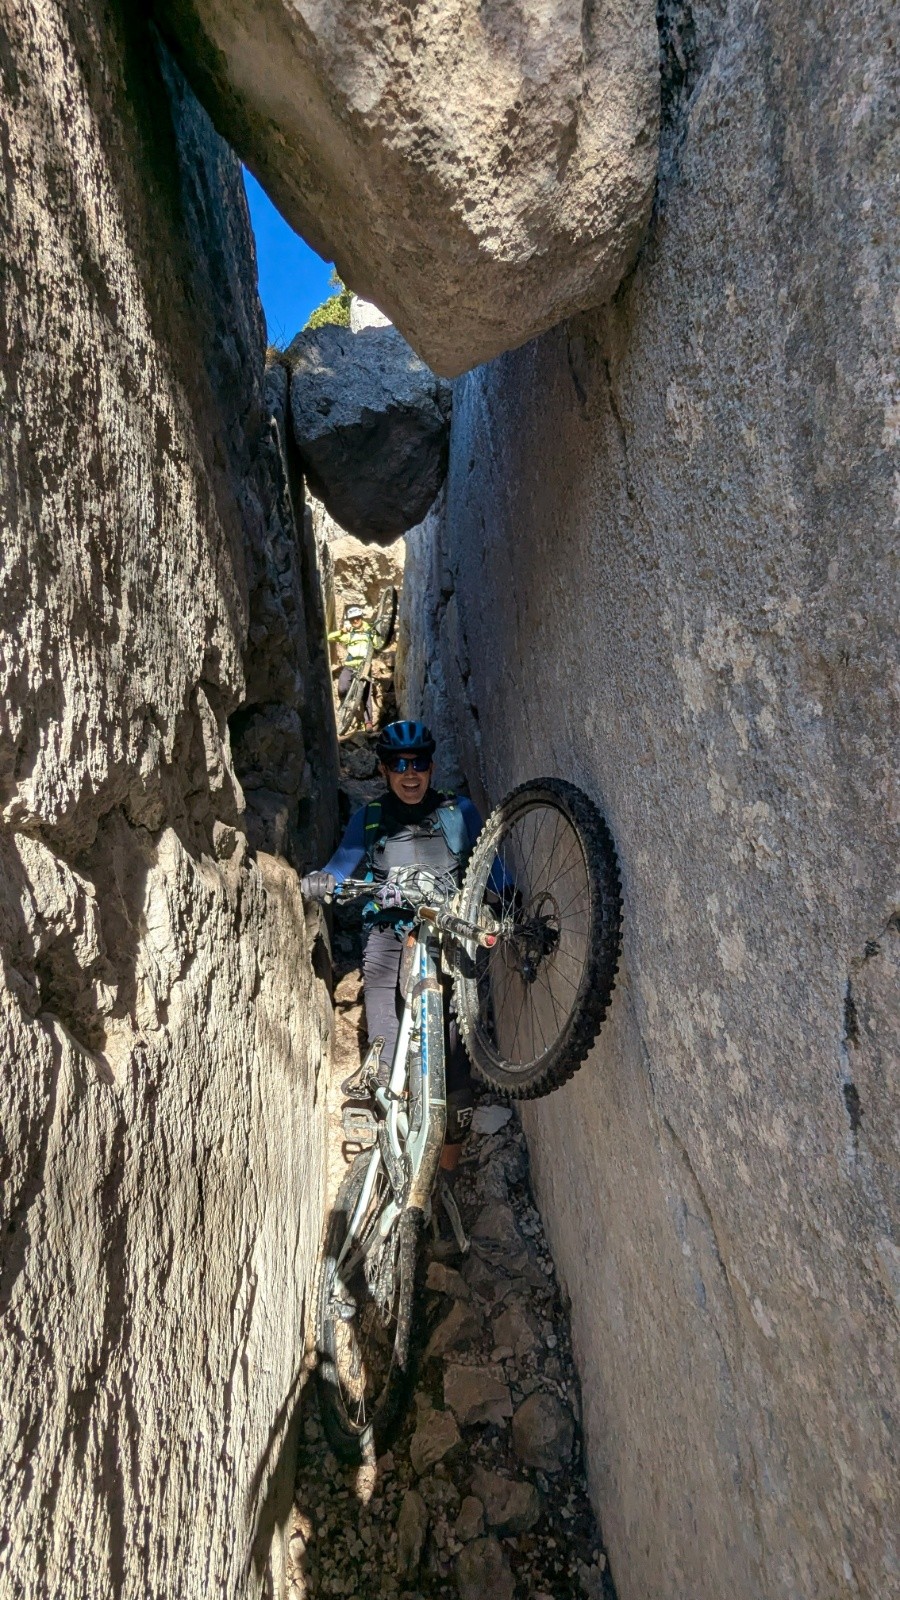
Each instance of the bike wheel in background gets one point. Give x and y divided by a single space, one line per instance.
544 872
364 1327
350 710
385 615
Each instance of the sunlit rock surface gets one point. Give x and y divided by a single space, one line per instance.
161 1154
667 571
479 171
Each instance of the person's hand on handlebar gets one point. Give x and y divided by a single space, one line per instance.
318 885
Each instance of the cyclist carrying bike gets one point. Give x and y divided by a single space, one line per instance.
359 639
411 823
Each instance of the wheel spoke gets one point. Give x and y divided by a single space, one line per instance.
528 983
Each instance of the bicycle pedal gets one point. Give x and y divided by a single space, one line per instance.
359 1125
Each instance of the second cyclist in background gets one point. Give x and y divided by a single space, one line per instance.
359 641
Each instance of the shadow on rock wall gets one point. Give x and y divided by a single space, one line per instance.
162 1154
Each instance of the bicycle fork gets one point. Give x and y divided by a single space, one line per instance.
427 1142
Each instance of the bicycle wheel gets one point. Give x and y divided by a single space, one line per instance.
544 868
365 1319
385 615
350 708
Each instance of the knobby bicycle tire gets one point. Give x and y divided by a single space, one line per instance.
351 707
564 1054
353 1439
385 616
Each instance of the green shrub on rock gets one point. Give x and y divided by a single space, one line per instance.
336 309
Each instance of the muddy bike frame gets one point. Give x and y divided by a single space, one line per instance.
408 1143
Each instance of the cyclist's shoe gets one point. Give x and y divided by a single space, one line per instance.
365 1080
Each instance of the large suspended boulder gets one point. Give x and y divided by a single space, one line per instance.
480 171
371 425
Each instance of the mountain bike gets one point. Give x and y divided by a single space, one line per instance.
351 707
532 943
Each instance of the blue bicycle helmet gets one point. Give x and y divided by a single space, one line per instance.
405 739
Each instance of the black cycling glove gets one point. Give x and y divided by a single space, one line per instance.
318 885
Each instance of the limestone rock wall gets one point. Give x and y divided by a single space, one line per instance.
667 570
161 1158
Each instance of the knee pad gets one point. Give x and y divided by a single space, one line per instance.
460 1104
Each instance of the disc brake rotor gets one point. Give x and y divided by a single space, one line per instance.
534 936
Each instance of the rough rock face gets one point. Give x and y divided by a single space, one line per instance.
161 1154
666 572
426 639
363 571
371 426
351 572
283 734
477 171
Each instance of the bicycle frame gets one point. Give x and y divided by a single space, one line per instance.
414 1153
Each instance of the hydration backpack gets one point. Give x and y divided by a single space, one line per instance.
451 825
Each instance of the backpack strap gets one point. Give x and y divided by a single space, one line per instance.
453 827
371 831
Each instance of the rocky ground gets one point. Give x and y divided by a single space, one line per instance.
483 1493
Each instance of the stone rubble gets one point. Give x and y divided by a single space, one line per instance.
482 1496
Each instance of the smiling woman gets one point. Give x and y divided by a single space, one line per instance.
293 280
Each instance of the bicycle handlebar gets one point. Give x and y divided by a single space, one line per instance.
439 917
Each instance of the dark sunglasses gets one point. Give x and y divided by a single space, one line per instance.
402 764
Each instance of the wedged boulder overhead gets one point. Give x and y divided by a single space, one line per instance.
479 171
371 424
